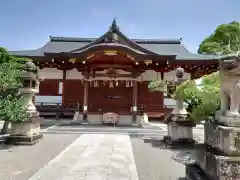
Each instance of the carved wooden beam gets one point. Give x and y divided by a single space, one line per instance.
106 66
107 75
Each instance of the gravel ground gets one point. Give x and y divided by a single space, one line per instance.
21 162
155 162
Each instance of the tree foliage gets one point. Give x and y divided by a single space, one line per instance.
225 40
11 107
203 100
157 86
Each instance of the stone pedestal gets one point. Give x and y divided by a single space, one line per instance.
27 133
78 118
220 159
179 131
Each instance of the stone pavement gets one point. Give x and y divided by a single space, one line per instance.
21 162
93 157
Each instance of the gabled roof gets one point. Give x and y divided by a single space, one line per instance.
163 47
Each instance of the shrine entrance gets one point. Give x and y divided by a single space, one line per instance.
110 85
111 96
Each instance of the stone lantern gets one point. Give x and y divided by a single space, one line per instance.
28 132
179 127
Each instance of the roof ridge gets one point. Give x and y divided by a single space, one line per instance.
141 41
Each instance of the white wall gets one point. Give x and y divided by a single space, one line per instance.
74 74
150 75
51 73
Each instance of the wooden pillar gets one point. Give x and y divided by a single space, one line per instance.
85 95
64 74
134 107
85 101
162 76
63 81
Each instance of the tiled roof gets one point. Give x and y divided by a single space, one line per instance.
170 47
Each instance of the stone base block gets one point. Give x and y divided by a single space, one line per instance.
229 120
78 117
179 133
218 167
27 128
194 172
23 140
179 142
223 138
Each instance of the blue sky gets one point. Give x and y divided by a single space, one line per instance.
27 24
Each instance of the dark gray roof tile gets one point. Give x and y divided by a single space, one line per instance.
172 47
161 47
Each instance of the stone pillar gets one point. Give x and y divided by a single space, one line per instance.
134 107
27 132
179 127
220 158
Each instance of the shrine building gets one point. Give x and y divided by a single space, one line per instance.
111 73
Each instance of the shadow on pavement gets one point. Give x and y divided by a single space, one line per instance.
97 124
160 143
5 147
45 126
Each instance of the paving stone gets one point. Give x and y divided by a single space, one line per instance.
95 177
74 177
156 163
117 177
93 156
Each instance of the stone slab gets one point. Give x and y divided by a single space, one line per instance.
217 167
229 120
177 132
93 156
223 138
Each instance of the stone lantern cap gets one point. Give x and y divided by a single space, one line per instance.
179 72
30 66
179 76
30 71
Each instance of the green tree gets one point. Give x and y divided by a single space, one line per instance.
224 41
203 100
11 108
